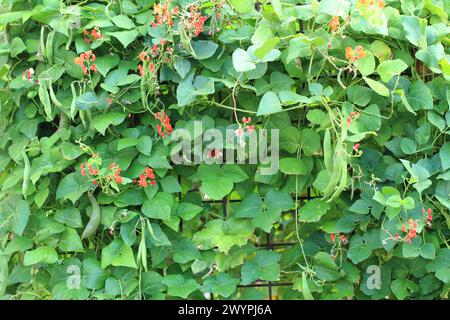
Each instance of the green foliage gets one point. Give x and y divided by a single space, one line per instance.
91 92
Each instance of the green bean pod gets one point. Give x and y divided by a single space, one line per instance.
143 93
342 183
53 96
89 115
26 174
45 100
4 272
73 106
69 40
306 291
338 182
142 251
335 174
327 151
83 118
41 51
49 46
95 219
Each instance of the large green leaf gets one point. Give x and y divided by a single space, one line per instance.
72 187
293 166
159 207
204 49
221 284
178 286
419 97
264 266
242 61
224 234
15 214
444 154
123 22
43 254
118 254
313 210
378 87
358 250
103 121
125 37
388 69
270 103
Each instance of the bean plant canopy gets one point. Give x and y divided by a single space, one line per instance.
352 97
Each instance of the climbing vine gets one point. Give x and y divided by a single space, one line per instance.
355 93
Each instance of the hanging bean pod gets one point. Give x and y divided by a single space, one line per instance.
45 100
53 96
95 219
4 272
73 105
26 174
327 151
49 46
41 54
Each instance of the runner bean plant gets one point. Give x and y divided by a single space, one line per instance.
355 94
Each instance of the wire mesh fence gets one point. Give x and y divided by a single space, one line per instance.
269 244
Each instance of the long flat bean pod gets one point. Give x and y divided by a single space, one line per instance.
95 219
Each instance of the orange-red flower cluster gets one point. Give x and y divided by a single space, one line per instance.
155 50
356 54
94 34
342 237
239 132
194 21
353 115
147 178
334 23
164 128
379 3
410 229
246 121
28 75
116 175
92 171
145 58
429 213
85 61
163 14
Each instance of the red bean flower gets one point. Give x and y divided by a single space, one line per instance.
96 34
164 128
85 61
333 237
93 171
194 21
28 75
355 54
116 173
83 170
334 23
146 178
